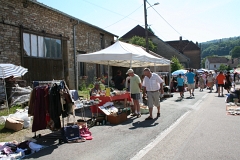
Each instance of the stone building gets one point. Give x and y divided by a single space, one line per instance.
46 40
163 49
190 50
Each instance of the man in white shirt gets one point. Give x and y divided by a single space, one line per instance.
152 83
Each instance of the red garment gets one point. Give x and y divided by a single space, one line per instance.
221 78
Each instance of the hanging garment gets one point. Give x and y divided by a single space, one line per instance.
55 108
39 122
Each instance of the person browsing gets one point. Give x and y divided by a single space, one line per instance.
180 85
190 79
152 83
135 88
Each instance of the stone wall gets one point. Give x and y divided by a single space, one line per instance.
40 19
195 57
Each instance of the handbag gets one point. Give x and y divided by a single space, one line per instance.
70 133
85 133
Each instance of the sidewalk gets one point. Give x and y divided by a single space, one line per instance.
206 133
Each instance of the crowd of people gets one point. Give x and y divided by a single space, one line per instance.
205 80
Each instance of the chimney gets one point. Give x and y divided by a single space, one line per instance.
180 38
197 43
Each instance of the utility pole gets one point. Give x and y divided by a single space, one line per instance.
146 26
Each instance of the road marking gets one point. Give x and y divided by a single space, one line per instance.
159 138
205 96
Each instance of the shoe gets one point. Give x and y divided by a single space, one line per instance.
222 95
149 118
218 95
193 94
158 114
138 115
134 114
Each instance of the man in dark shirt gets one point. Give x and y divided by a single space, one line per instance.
119 81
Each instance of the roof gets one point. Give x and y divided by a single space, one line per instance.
67 15
217 60
233 62
183 45
137 31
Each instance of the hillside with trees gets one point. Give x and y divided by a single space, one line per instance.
221 47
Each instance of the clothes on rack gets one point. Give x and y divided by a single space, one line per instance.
47 103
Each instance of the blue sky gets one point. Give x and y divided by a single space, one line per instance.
195 20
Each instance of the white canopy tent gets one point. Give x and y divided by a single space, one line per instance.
123 54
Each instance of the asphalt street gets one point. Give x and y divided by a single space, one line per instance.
203 124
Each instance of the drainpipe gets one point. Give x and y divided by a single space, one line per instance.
75 54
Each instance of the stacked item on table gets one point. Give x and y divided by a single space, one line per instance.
15 150
233 109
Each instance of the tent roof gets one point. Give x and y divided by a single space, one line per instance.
123 54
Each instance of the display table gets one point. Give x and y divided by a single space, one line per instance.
104 99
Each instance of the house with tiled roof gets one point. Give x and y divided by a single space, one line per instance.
163 49
189 49
213 63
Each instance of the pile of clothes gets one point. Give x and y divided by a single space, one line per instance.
15 150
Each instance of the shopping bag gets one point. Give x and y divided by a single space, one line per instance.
70 133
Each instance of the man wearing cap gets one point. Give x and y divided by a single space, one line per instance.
152 83
135 87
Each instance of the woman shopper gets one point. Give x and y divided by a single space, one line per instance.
228 82
210 82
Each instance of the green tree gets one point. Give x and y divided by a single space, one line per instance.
176 65
142 42
223 67
235 52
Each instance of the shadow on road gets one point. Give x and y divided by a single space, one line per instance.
144 124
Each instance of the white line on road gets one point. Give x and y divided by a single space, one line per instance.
205 96
159 138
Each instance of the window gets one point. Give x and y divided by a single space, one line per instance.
102 41
81 66
214 65
42 47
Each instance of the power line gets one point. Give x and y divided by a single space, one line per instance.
124 17
166 20
110 10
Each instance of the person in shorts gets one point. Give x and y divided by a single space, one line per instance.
135 89
152 83
220 79
190 79
180 85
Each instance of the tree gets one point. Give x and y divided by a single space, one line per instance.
223 67
235 52
176 65
142 42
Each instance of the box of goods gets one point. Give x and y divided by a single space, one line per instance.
117 119
13 123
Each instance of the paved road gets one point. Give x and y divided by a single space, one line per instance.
206 133
126 140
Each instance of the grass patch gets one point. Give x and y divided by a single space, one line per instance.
4 112
4 132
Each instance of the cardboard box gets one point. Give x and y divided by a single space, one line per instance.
117 119
13 123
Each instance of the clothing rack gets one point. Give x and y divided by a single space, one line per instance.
40 83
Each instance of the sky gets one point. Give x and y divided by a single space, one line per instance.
194 20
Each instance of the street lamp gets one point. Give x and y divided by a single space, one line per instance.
146 25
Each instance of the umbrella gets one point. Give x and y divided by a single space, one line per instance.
181 71
7 70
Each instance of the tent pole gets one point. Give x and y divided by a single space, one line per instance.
108 74
77 76
6 96
169 77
